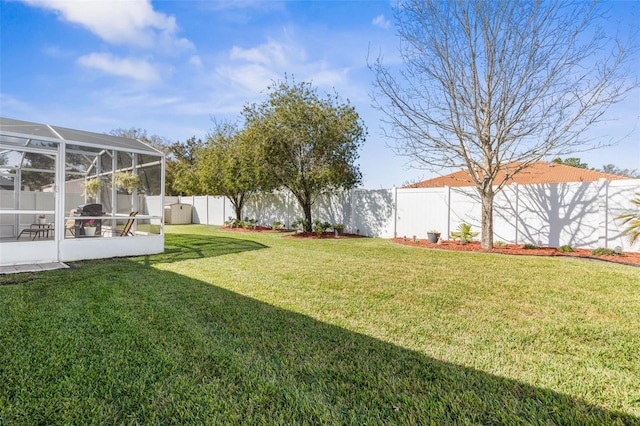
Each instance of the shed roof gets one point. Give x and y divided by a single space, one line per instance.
37 130
538 173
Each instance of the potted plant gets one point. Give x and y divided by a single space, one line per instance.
338 228
127 181
433 236
92 187
90 228
42 219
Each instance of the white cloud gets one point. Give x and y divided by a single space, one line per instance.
381 21
329 78
57 51
271 53
137 69
253 77
254 69
195 61
131 22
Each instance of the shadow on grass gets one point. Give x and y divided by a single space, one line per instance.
158 347
195 246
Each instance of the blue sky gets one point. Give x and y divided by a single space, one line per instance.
170 66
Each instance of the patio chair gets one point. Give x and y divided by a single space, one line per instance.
69 225
37 230
126 231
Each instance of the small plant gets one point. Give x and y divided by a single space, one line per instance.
249 223
232 222
604 252
41 216
529 246
632 220
91 223
319 227
464 233
566 249
338 228
299 224
415 239
499 244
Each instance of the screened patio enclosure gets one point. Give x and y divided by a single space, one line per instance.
70 195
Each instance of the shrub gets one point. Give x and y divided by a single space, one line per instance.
499 244
276 224
319 227
529 246
249 223
605 252
299 224
232 222
566 249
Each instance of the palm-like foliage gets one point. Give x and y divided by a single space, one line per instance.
632 220
464 233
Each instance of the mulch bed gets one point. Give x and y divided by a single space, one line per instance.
258 228
303 235
629 258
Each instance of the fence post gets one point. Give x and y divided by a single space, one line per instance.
517 212
603 201
447 203
395 211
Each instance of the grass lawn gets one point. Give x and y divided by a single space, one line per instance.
228 328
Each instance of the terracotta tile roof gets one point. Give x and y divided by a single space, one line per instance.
538 173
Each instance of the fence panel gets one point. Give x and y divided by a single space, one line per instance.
420 210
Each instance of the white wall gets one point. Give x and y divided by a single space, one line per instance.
581 214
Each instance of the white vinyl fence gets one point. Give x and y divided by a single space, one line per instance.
581 214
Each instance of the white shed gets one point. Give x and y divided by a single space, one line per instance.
177 213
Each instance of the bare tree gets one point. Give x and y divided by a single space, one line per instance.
497 85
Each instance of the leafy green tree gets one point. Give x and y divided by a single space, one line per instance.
571 161
308 144
495 86
615 170
229 165
183 169
163 145
158 142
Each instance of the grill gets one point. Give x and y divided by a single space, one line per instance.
88 210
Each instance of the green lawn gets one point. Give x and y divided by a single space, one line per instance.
256 329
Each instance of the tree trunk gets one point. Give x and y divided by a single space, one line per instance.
237 201
307 216
487 219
